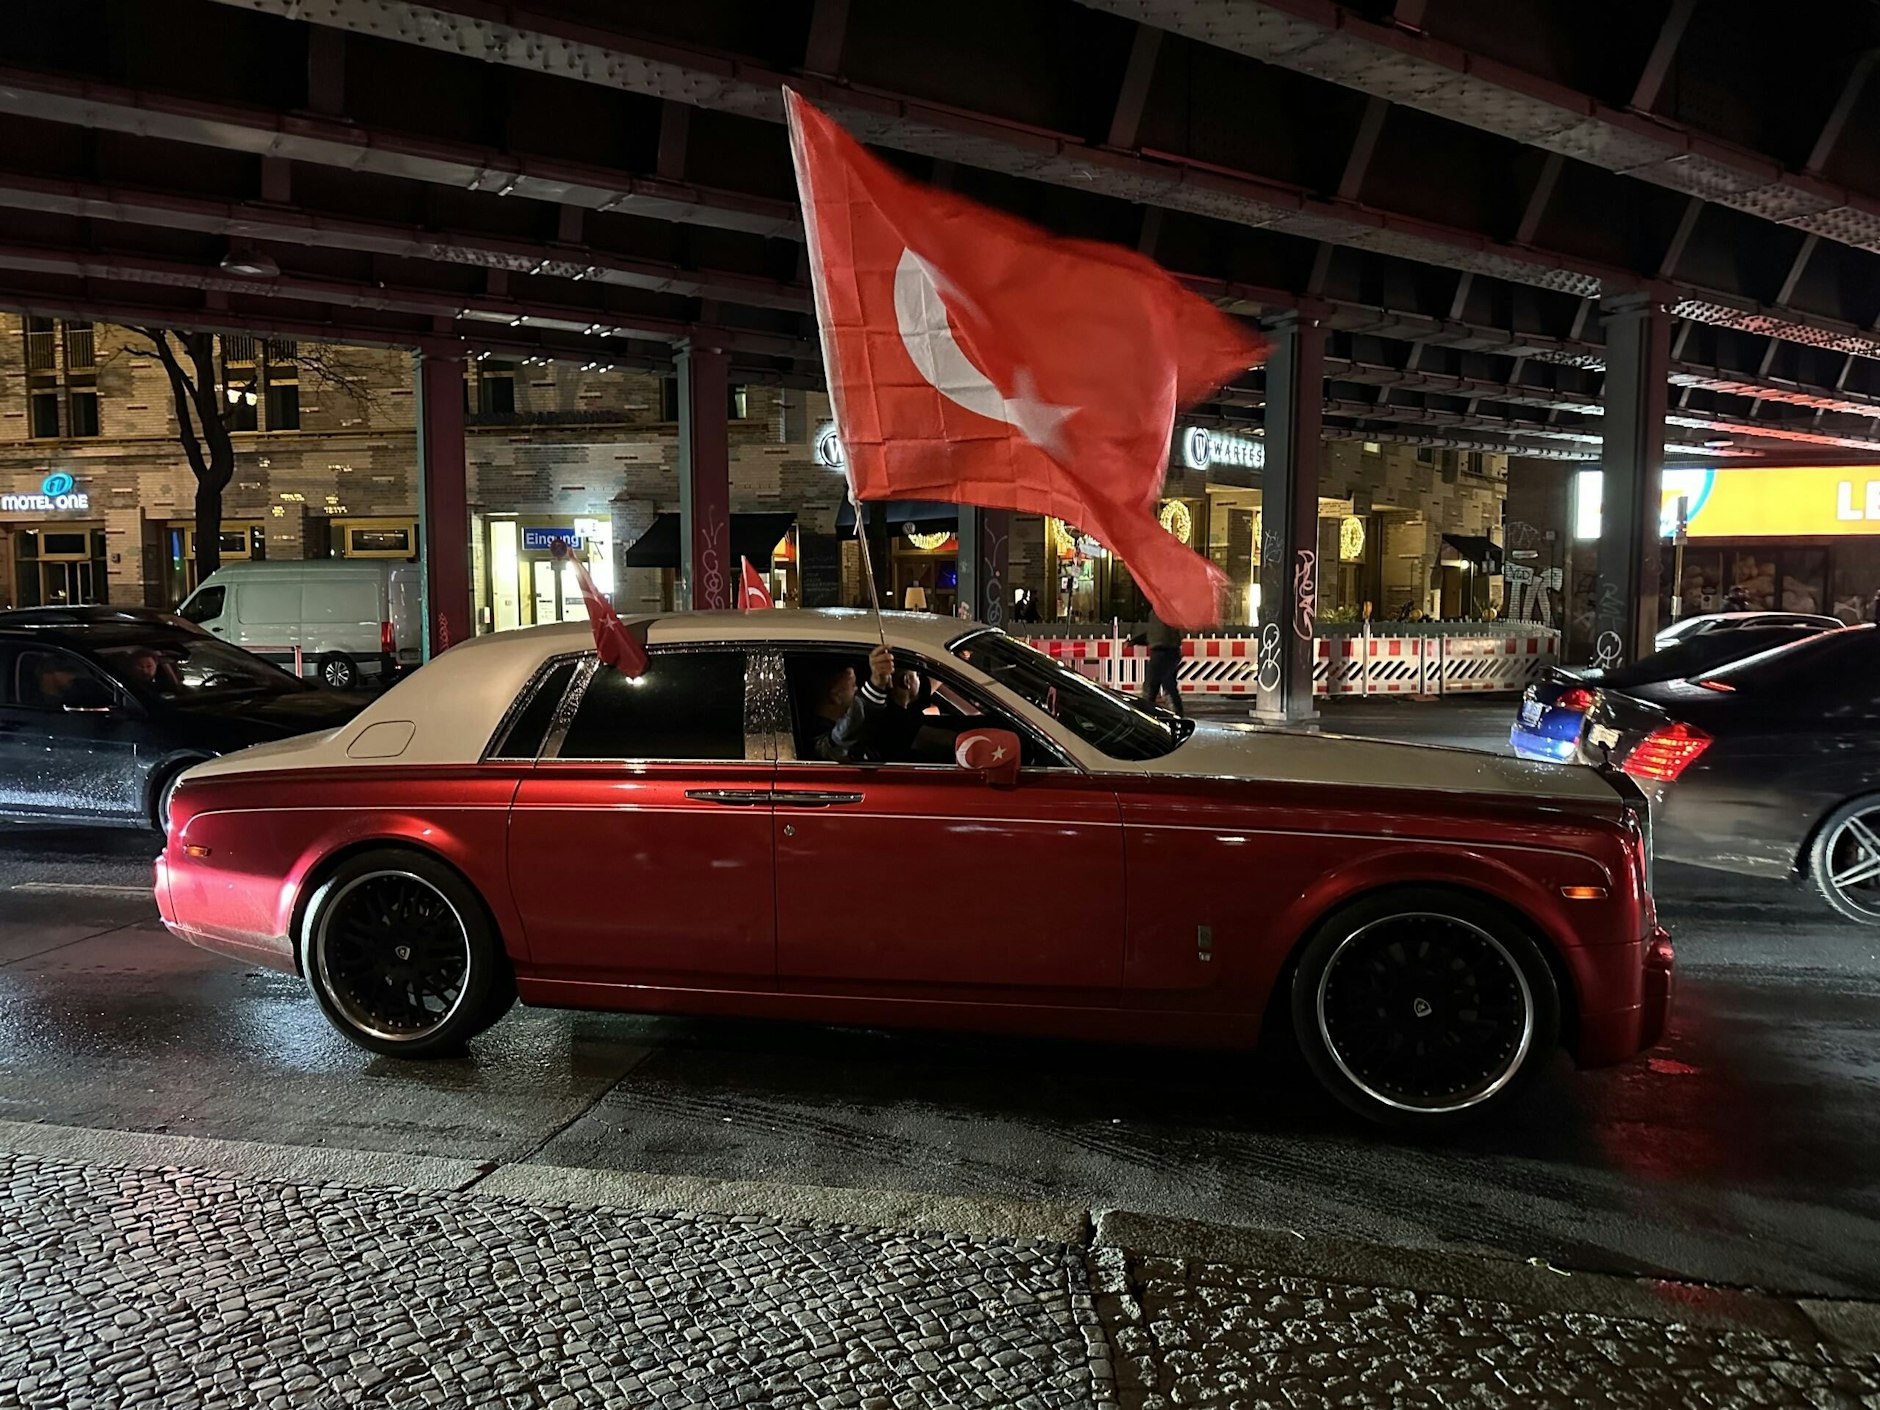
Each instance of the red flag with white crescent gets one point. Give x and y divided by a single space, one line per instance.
753 595
977 359
614 642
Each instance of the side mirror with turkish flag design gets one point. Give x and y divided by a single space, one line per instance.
993 754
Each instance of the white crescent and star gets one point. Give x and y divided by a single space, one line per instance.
921 315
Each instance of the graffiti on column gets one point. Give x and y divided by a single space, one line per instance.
1270 653
1272 550
714 581
1609 622
1305 594
992 594
443 632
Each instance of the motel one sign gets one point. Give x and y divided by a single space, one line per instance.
57 491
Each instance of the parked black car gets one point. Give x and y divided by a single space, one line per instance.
1769 765
102 709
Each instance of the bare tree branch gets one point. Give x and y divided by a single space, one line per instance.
330 370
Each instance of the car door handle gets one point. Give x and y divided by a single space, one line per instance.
730 797
810 798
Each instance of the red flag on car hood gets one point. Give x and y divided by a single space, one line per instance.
976 359
616 645
754 595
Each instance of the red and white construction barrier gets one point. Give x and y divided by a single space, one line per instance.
1434 664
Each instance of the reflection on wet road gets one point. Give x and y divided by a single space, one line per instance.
1742 1151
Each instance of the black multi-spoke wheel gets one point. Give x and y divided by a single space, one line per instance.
401 957
1845 860
1421 1008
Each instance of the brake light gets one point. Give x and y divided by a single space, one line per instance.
1579 700
386 644
1717 685
1665 753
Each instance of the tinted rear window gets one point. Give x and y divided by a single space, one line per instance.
1848 659
1700 653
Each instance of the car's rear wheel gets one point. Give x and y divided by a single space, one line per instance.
1844 861
1422 1009
339 671
401 956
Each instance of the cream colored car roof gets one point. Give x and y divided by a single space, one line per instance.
447 712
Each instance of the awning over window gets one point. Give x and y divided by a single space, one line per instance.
1484 553
753 536
926 515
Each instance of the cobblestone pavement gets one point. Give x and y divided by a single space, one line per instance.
189 1288
1189 1334
173 1288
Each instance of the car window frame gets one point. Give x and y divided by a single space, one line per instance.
996 710
124 699
511 716
583 678
201 593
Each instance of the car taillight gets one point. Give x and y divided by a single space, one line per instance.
1579 700
1665 753
386 644
1717 685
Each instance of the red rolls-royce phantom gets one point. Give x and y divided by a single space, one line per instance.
1009 847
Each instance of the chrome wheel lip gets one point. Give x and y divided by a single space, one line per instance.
1851 827
1439 1108
351 1013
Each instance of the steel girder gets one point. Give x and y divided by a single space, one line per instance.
1399 65
551 45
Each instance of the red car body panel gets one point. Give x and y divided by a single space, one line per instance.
261 838
627 877
932 878
1149 907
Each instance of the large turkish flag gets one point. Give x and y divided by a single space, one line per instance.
977 359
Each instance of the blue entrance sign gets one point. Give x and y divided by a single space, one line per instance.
537 539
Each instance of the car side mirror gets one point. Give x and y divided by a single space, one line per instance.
993 754
86 696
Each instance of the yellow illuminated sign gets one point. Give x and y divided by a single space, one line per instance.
1810 502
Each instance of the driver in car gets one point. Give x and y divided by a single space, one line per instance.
148 668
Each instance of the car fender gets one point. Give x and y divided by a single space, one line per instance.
262 864
1525 882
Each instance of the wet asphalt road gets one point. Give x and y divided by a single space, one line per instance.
1745 1150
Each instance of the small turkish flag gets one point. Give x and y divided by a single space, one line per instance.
615 643
976 359
754 595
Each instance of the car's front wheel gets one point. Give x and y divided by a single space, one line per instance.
1421 1009
1844 861
401 956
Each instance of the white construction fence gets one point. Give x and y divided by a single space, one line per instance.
1424 664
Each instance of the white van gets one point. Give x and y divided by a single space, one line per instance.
353 619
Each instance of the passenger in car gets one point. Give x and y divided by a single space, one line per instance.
845 722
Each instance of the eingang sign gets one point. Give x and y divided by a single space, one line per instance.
58 491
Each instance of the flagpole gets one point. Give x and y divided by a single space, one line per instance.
868 566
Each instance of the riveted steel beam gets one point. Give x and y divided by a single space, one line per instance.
1332 42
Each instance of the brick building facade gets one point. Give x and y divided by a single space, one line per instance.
559 448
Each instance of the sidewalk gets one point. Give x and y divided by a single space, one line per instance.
149 1280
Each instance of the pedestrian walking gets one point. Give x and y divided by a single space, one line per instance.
1165 662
